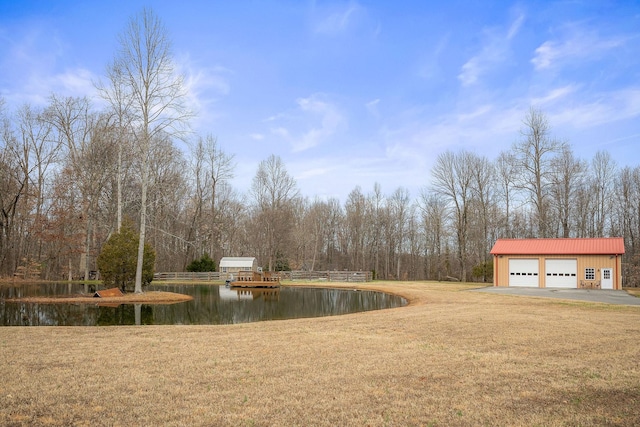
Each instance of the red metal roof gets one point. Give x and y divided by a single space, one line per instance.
595 246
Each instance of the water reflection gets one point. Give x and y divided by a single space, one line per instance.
211 305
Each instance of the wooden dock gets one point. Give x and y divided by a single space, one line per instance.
255 279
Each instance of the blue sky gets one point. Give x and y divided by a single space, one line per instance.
353 93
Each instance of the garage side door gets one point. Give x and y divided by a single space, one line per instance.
523 272
561 273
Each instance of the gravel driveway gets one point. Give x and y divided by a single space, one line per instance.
592 295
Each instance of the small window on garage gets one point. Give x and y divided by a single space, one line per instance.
589 273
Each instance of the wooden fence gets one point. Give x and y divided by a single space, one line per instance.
329 276
185 275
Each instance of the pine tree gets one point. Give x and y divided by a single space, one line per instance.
118 259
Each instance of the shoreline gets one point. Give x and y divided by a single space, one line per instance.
149 297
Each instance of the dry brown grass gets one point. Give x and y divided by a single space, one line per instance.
450 358
149 297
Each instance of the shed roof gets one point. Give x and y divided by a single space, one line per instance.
231 261
112 292
586 246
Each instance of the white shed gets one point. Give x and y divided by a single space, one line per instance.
232 265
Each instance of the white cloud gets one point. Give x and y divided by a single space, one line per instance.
75 82
330 121
515 26
494 51
281 132
554 95
313 122
578 44
606 108
30 59
372 107
204 86
337 20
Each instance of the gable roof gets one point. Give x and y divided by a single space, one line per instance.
595 246
243 262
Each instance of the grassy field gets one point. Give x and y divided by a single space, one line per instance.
450 358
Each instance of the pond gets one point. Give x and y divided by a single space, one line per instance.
212 305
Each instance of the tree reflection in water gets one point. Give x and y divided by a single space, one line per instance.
212 305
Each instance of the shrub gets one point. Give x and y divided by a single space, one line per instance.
483 271
118 260
203 264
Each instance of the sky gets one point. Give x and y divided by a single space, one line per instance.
353 93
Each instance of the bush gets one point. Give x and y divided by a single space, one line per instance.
118 260
483 270
203 264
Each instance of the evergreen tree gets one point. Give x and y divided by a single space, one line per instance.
118 259
203 264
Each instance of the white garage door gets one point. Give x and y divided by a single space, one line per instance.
561 273
523 272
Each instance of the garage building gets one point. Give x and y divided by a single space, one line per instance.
594 263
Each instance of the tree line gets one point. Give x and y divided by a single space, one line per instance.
71 172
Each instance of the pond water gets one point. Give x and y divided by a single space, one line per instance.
212 305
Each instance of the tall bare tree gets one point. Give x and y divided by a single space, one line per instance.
506 172
603 171
274 191
219 166
354 233
534 154
483 190
13 188
452 179
433 208
399 212
116 93
157 96
567 178
75 123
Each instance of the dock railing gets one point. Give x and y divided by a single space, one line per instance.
297 275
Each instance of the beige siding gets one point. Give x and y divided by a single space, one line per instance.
598 262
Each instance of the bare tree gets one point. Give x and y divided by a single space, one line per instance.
567 178
399 212
75 124
483 190
156 93
452 179
601 182
353 245
219 166
274 191
433 208
13 188
533 155
506 172
116 93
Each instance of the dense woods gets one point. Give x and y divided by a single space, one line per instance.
72 172
60 167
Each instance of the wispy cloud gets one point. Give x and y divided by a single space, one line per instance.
494 51
578 43
336 19
553 95
605 108
204 86
372 107
313 121
30 57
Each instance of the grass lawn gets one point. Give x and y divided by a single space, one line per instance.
450 358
